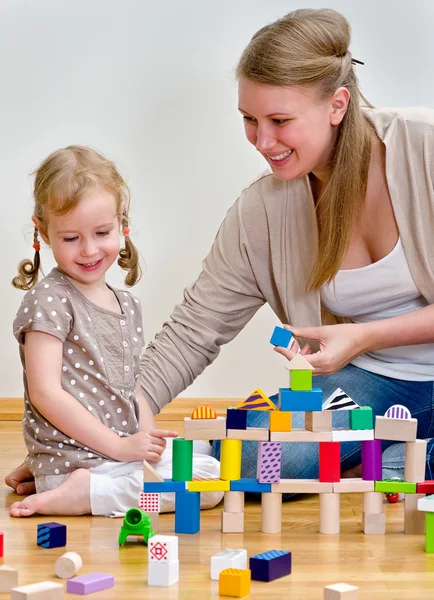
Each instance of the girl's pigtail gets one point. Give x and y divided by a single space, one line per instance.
27 270
129 256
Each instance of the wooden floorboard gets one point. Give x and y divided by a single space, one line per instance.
386 567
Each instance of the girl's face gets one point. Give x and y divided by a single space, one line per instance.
85 242
293 129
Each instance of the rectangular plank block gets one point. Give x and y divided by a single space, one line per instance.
270 565
394 486
259 434
280 420
249 484
318 420
87 584
415 461
268 463
302 486
205 429
329 461
208 485
187 512
400 430
352 485
44 590
301 435
290 400
352 435
167 485
372 462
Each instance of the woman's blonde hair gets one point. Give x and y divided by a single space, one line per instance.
310 47
60 182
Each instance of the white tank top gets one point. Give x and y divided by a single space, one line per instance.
382 290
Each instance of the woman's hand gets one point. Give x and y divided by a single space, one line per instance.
339 345
143 445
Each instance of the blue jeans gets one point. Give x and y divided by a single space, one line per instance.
300 460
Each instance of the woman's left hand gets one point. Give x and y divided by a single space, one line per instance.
339 345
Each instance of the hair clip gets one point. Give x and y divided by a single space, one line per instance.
357 62
126 231
37 247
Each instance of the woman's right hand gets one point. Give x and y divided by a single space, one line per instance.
143 445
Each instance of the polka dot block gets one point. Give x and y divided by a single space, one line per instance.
269 459
150 502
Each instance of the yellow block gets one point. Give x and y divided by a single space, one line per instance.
230 459
208 485
234 582
204 412
280 421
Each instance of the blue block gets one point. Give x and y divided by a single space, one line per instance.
187 512
51 535
281 337
249 484
236 419
293 401
270 565
168 485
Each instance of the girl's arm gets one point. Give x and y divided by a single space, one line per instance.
146 418
43 357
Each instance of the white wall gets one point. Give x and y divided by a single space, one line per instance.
151 85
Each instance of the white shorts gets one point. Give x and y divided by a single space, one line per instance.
116 486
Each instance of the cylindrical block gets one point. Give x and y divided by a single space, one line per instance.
182 460
230 459
372 503
234 502
271 512
329 513
415 461
372 467
329 461
68 565
414 519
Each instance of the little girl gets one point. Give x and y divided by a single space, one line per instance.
86 424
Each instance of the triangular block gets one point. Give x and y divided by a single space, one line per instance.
150 474
257 401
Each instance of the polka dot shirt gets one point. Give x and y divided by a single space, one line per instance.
101 362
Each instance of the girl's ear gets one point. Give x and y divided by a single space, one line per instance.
41 229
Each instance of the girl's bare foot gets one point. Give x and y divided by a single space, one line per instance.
21 480
72 497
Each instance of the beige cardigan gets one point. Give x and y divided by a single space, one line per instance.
265 250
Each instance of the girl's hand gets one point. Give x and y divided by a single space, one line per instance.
143 445
339 345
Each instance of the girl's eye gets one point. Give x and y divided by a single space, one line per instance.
72 239
280 121
102 233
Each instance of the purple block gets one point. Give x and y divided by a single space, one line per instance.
372 466
269 457
86 584
398 411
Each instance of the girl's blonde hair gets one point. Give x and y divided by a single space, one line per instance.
310 47
60 182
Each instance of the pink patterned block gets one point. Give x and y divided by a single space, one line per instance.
150 502
397 411
269 458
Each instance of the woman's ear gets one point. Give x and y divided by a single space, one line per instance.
339 105
41 229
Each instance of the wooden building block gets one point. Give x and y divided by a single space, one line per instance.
260 434
205 429
232 522
163 574
425 487
234 582
280 420
400 430
362 418
8 579
150 502
352 435
234 502
373 503
208 485
236 418
150 474
68 565
301 435
90 583
257 401
329 461
429 532
187 512
300 379
51 535
341 591
318 420
45 590
182 457
268 463
426 503
270 565
281 337
352 485
395 486
271 512
230 459
302 486
2 542
374 524
291 400
250 484
163 549
415 461
228 559
155 520
329 513
204 412
372 462
414 519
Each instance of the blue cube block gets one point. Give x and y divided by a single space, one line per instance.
301 401
236 419
270 565
281 337
187 512
168 485
51 535
249 484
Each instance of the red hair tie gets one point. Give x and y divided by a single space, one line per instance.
126 231
37 246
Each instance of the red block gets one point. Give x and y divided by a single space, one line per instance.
425 487
1 543
329 461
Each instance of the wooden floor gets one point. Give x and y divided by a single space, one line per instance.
393 566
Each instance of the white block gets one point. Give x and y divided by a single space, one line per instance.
46 590
8 578
352 435
228 559
68 565
163 549
163 574
341 591
426 504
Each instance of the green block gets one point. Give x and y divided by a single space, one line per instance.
361 418
136 522
182 460
429 533
301 380
394 486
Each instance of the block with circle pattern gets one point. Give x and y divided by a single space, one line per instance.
150 502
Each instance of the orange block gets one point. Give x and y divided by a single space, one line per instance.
204 412
234 582
280 421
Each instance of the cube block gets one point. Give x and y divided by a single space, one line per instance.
281 337
300 380
280 421
228 559
362 418
236 419
234 582
51 535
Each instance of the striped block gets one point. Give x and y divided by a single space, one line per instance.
150 502
51 535
397 411
257 401
339 400
204 412
269 459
